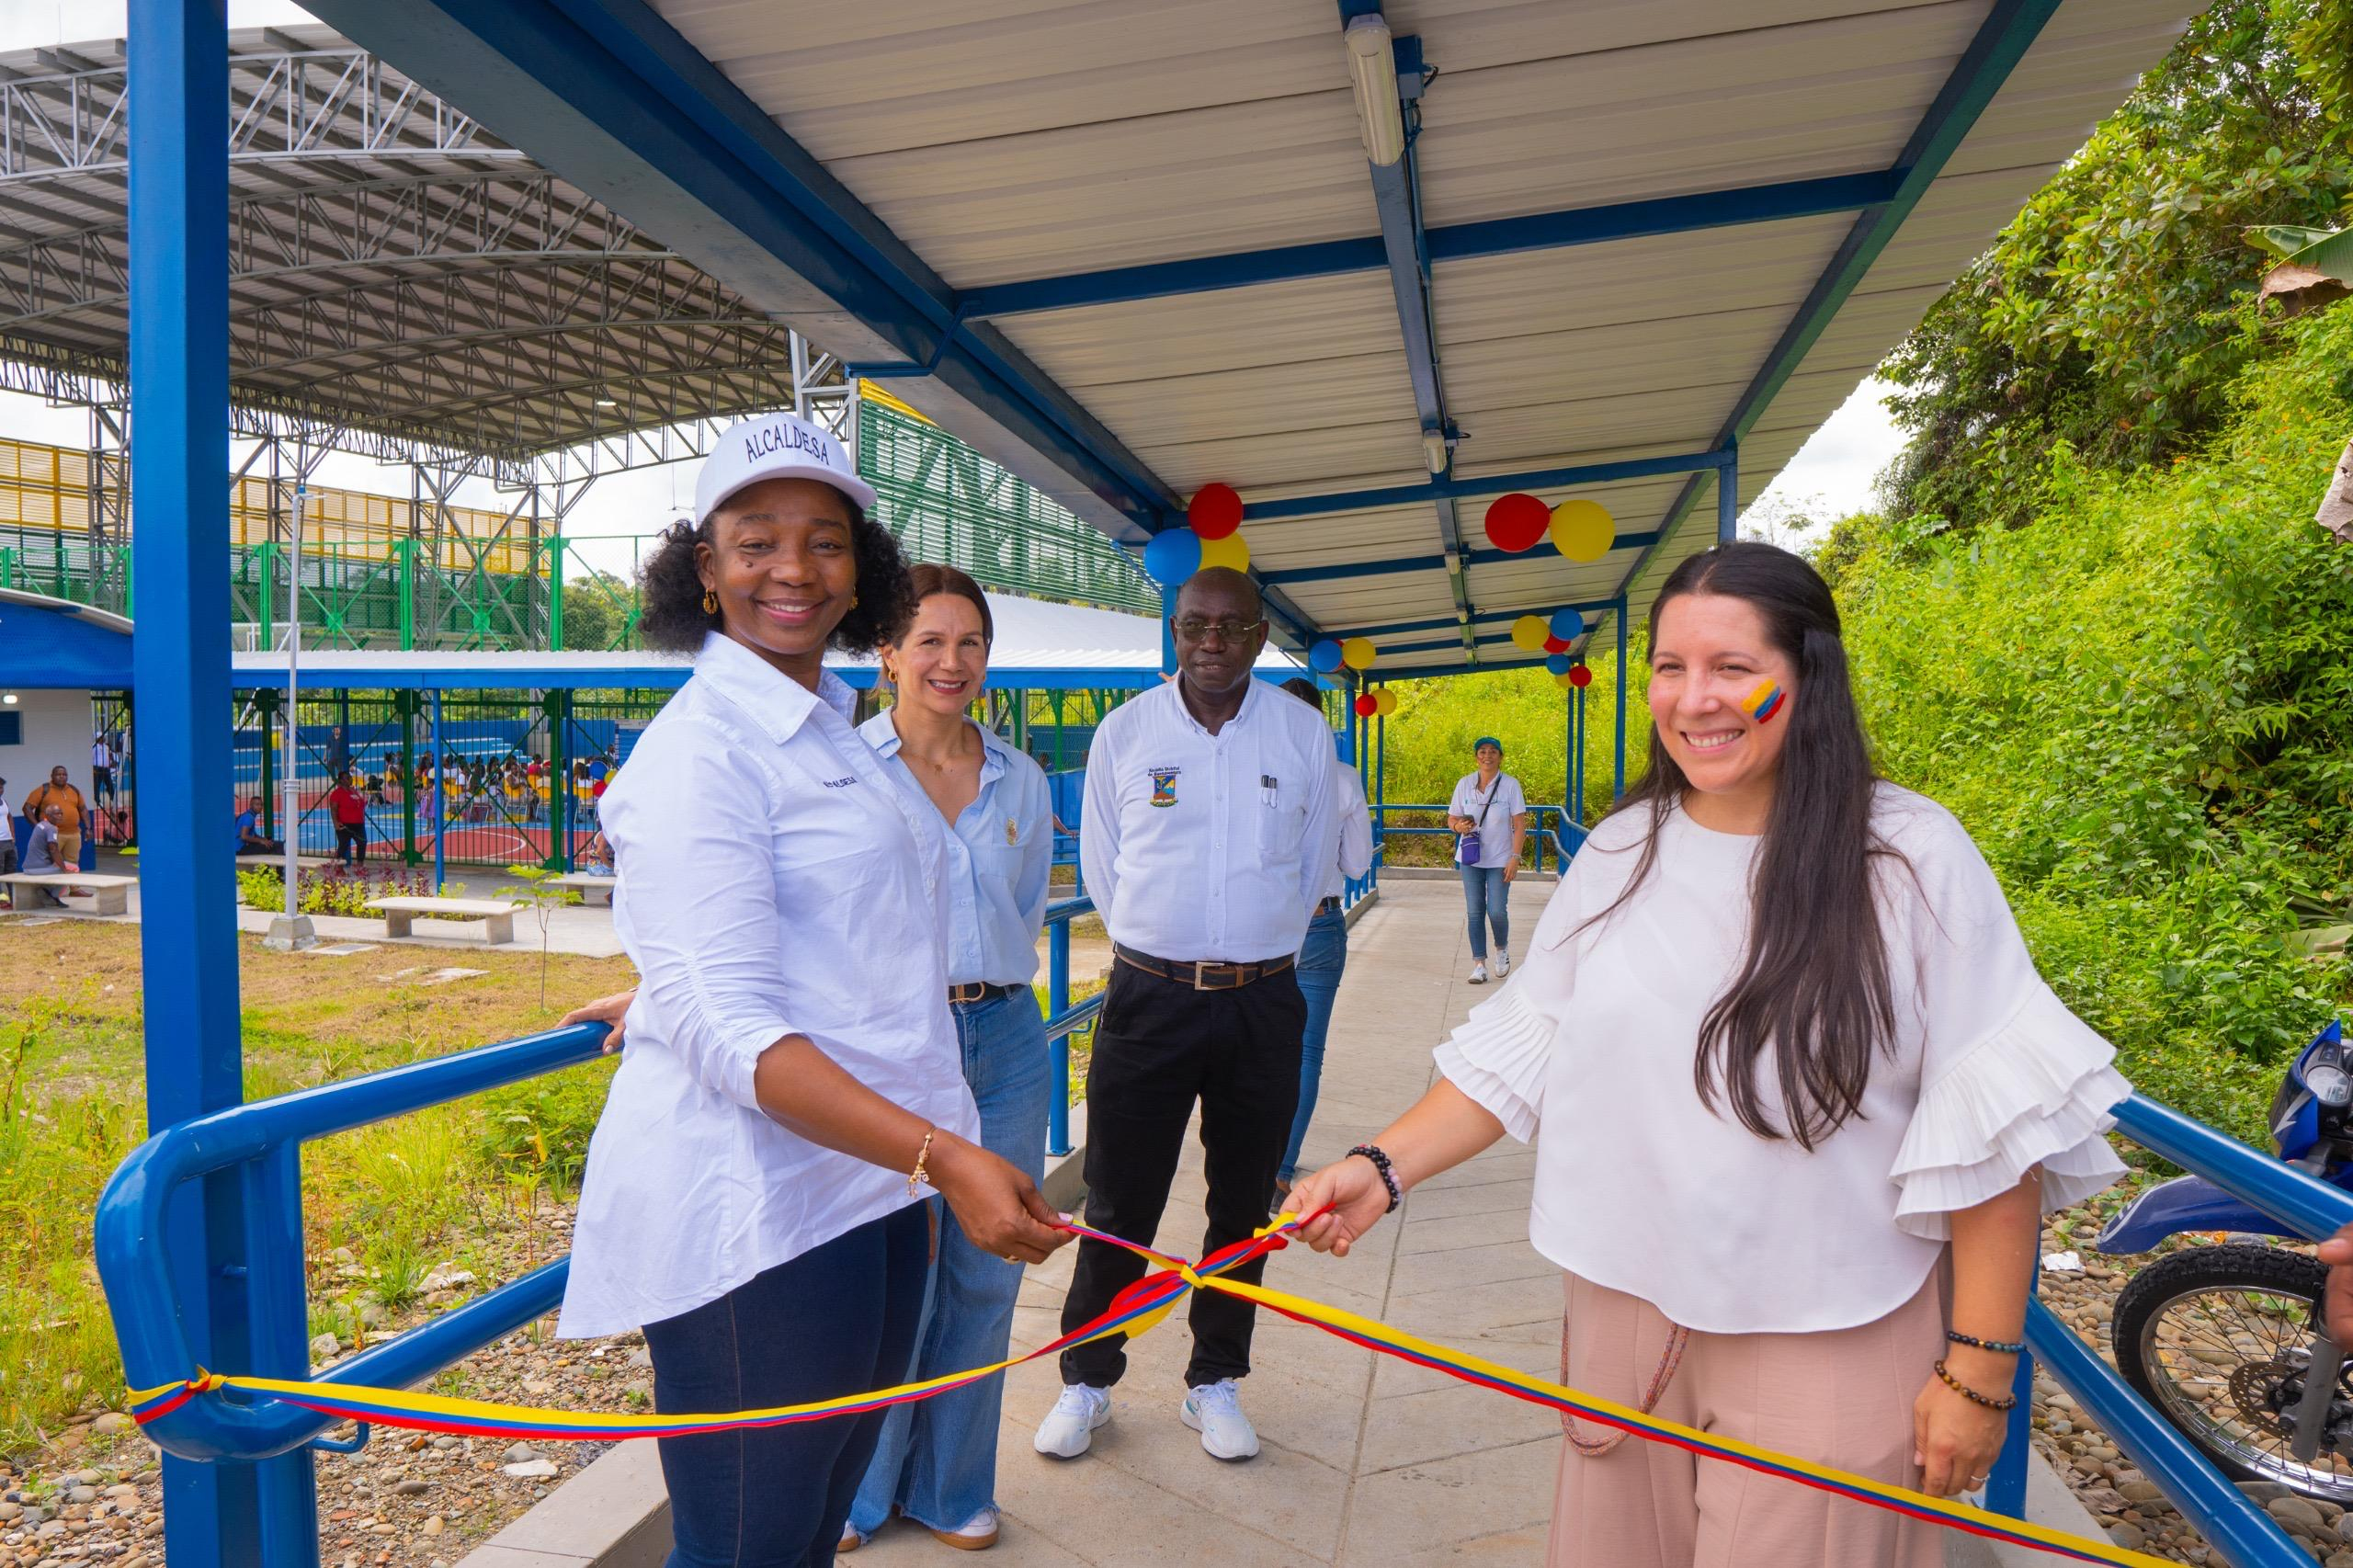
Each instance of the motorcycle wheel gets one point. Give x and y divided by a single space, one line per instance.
2217 1340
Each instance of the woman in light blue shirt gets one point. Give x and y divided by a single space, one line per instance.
937 1461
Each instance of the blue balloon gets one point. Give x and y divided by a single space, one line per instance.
1568 626
1325 657
1559 664
1173 556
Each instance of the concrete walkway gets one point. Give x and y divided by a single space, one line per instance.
1363 1461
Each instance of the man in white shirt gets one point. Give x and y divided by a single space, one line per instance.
1207 836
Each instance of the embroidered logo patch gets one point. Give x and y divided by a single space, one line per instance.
1163 785
1012 831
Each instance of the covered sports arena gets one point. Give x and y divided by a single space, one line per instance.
1375 268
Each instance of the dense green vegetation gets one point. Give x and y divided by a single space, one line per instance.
2112 316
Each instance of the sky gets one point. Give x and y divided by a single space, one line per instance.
1830 477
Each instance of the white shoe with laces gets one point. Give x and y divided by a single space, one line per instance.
1214 1410
1069 1425
975 1534
1478 974
1503 964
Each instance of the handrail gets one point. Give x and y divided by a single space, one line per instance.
133 1264
2301 1202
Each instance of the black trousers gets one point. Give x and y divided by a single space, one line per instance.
839 1319
1161 1046
351 836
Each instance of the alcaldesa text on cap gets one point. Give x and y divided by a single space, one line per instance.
775 446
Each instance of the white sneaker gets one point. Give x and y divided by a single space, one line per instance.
975 1534
1503 964
1214 1410
1478 974
1069 1425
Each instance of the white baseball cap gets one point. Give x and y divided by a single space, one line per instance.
775 446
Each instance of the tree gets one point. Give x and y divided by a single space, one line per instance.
2115 311
597 611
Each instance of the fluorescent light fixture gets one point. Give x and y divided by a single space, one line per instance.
10 699
1373 70
606 402
1434 450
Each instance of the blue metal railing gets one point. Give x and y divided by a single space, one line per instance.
1546 825
2239 1530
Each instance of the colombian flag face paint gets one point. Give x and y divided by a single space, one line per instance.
1764 702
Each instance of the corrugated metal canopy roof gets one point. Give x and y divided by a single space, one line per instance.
395 268
1128 248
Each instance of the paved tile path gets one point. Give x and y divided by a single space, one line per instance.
1360 1463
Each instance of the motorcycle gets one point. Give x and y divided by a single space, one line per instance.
2225 1341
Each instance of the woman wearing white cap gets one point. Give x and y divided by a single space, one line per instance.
788 1094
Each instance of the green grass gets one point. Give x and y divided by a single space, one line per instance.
470 1186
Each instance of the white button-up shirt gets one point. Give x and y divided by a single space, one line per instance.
1000 856
776 879
1356 828
1199 846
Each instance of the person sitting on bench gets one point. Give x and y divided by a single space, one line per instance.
249 836
42 851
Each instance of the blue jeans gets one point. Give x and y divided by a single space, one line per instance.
1321 959
839 1319
937 1461
1484 890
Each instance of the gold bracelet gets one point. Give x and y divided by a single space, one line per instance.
917 1176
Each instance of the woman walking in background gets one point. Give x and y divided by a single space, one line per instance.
792 1087
1803 1098
1489 814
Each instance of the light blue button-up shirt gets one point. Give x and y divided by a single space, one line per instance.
1000 855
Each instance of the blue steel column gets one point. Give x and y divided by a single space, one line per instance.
230 1288
1728 496
441 800
1168 634
1625 679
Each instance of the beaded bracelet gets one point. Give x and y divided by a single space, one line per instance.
1388 1177
2000 1347
1971 1394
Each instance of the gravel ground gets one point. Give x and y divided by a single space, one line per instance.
419 1501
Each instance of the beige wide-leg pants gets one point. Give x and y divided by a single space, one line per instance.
1842 1397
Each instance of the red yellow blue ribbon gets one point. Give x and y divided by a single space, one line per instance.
1135 1310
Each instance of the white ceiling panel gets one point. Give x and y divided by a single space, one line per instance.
1008 140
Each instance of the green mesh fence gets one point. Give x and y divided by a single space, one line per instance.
945 502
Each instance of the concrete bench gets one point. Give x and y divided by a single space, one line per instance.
588 884
400 913
112 894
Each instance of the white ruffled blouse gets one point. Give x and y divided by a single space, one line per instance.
1641 1186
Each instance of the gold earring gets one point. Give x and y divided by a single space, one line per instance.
709 602
853 601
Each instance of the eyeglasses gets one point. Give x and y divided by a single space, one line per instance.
1192 629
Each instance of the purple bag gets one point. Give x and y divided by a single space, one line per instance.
1466 845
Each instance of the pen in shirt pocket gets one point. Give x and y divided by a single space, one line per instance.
1268 787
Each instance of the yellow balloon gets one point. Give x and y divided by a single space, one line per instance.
1527 633
1358 652
1385 702
1563 682
1583 530
1230 550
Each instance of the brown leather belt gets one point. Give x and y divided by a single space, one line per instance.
978 991
1202 976
1329 906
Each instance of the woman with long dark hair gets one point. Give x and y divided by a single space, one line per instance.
1804 1102
791 1087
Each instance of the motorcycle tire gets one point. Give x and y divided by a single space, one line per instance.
2232 1265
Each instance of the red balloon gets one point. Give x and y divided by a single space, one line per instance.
1579 675
1366 706
1554 646
1215 511
1517 521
